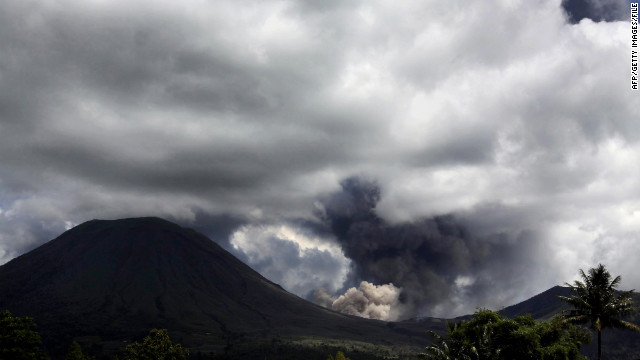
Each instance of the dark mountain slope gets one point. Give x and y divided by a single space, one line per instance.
543 306
617 344
117 279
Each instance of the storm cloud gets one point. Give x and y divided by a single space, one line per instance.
440 263
487 130
596 10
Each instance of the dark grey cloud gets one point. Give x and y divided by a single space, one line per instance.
218 228
441 263
596 10
139 73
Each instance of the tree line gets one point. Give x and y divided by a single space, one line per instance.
20 341
486 336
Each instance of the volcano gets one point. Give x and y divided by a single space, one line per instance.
105 283
117 279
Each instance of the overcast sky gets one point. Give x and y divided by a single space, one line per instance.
491 147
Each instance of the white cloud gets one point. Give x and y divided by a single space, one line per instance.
299 261
112 109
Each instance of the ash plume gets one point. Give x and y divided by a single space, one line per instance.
442 268
322 297
369 301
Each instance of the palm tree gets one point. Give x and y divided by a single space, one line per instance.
596 301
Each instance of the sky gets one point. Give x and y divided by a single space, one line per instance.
385 159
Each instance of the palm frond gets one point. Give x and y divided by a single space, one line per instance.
595 300
621 324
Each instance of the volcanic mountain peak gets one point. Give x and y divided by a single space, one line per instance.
121 278
115 280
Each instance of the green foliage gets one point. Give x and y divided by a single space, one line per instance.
308 349
75 353
596 301
156 346
18 340
339 356
489 336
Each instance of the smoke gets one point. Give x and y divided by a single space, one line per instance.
322 297
370 301
439 266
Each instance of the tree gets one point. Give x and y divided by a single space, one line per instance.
441 349
596 301
339 356
18 340
156 346
75 353
489 336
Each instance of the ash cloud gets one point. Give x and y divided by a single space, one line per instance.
369 301
322 297
441 267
